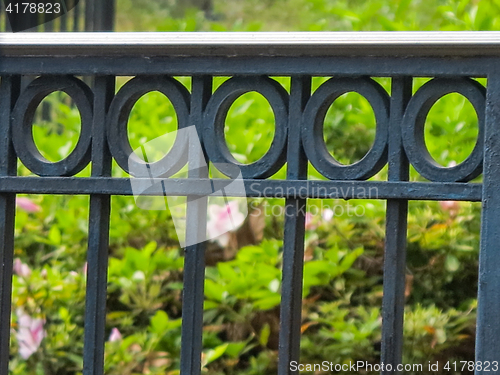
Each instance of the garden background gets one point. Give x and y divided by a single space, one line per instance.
342 291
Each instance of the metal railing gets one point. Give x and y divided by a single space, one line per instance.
451 59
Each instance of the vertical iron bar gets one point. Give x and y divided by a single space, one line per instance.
49 25
27 22
63 26
395 238
89 15
293 241
97 254
76 15
104 15
9 91
97 15
7 24
488 326
108 18
194 255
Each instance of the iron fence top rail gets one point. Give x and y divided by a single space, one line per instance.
397 44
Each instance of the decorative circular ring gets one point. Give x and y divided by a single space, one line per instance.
313 122
215 116
22 124
414 123
117 120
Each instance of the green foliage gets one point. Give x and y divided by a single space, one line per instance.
56 139
349 128
429 332
253 276
249 127
143 278
57 297
343 334
313 15
458 128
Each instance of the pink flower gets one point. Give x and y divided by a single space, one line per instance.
327 214
223 219
27 204
115 335
21 269
310 224
451 206
29 334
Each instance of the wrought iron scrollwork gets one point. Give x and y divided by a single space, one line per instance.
22 123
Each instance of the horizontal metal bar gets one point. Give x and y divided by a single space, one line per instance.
254 188
252 65
427 43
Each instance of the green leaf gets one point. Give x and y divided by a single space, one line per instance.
264 334
226 271
350 258
268 302
452 264
213 354
55 235
214 291
159 322
235 348
208 305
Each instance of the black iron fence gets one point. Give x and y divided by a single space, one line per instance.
351 59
